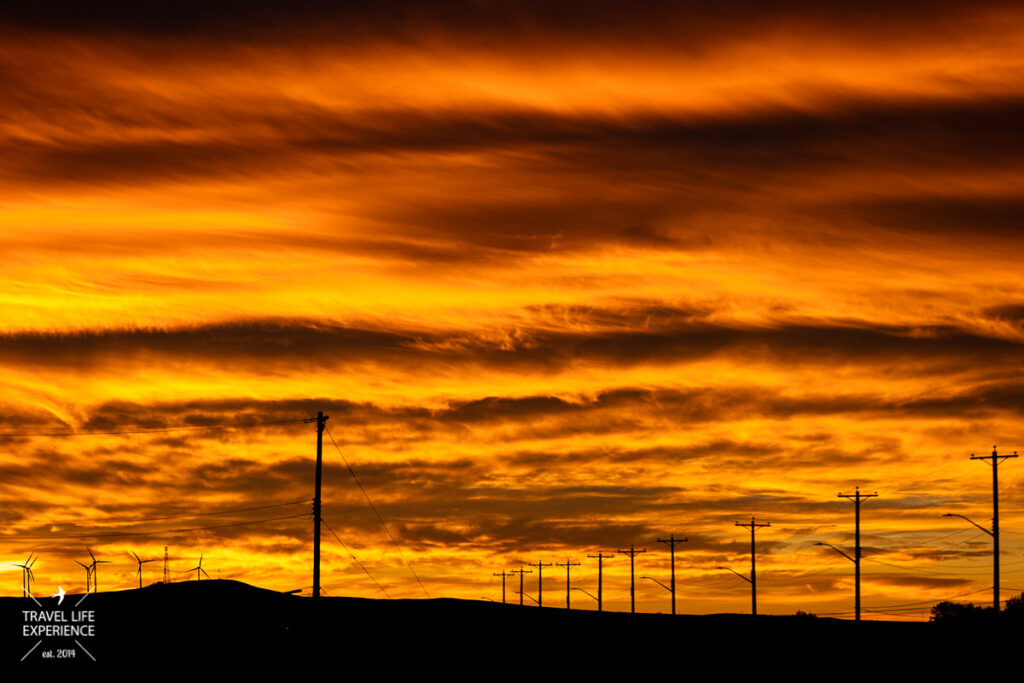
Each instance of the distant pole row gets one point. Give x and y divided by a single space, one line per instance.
995 459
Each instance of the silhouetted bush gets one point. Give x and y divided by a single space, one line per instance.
1014 608
948 611
806 615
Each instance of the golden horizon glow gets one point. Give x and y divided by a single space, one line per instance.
560 289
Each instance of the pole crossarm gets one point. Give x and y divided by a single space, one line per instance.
995 457
752 525
673 541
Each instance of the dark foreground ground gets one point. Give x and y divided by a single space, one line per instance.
231 624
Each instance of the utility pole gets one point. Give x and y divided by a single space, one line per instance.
753 526
600 557
672 541
503 574
321 421
521 571
632 552
996 459
857 499
540 580
568 563
167 573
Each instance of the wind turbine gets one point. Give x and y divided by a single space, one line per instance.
26 574
95 574
198 568
88 574
141 562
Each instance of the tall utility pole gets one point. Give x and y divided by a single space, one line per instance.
167 573
503 574
567 564
540 580
321 421
632 552
600 557
857 499
672 541
753 526
996 459
521 571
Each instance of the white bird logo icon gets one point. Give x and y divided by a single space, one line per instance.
59 595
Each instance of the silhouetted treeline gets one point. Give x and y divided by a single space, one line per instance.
949 611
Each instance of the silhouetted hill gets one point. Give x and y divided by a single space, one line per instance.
233 623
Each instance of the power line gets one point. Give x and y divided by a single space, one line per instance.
161 532
938 538
155 430
376 512
974 566
896 549
156 519
354 558
913 569
910 606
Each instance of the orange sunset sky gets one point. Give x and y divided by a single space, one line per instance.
565 276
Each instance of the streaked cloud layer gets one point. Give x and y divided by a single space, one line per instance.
565 279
